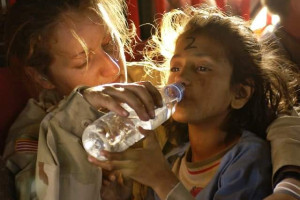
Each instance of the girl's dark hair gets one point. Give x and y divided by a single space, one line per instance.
253 63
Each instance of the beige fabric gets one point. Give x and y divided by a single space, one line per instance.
63 171
284 135
22 162
61 161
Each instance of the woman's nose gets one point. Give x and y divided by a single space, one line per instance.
110 66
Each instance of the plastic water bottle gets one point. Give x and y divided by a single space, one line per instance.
114 133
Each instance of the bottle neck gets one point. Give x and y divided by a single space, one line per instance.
169 99
172 93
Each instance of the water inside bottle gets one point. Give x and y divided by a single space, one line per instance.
115 133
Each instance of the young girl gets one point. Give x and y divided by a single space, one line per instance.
61 45
234 88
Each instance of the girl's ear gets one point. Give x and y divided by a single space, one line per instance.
241 96
38 78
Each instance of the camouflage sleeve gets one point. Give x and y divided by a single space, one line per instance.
62 163
21 149
284 136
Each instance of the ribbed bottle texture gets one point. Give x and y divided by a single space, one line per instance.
114 133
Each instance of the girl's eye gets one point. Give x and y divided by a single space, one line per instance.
202 69
174 69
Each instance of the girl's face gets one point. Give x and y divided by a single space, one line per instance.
70 67
201 64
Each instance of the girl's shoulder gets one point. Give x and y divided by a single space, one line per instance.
249 150
250 142
249 137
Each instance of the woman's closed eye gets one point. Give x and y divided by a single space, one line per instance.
81 65
85 60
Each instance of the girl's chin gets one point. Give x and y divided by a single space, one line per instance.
180 118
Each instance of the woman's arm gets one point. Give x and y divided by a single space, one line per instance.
62 163
284 136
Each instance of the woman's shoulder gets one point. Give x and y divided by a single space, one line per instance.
31 114
24 131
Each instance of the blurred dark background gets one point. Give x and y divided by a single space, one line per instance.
4 5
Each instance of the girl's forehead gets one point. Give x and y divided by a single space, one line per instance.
201 43
195 40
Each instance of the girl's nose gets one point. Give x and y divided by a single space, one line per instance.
183 77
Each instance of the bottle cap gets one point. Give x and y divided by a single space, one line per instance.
174 90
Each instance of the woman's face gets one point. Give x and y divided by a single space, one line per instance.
70 67
201 64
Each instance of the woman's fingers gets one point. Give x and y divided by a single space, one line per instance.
157 98
101 100
142 97
138 98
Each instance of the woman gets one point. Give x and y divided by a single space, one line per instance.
61 45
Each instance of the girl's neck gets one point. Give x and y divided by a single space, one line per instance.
208 141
